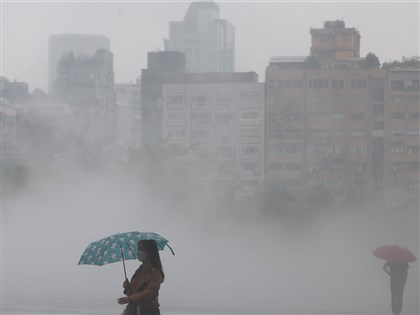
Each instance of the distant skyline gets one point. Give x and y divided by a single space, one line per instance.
263 30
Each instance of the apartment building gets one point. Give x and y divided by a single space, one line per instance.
128 113
63 44
224 124
324 128
402 141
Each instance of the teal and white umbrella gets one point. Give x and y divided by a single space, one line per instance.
119 247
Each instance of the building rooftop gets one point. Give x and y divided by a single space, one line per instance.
288 59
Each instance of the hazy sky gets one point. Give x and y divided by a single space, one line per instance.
263 29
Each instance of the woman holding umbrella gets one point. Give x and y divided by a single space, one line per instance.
143 290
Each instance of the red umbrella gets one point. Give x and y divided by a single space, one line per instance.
394 253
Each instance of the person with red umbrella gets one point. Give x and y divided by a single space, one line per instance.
398 275
396 266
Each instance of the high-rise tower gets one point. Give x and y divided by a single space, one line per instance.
207 41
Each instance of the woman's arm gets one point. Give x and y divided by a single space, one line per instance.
386 265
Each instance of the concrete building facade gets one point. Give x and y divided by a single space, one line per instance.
61 44
342 126
87 85
321 131
334 45
224 124
402 141
207 41
128 113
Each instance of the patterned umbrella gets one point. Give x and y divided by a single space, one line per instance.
117 247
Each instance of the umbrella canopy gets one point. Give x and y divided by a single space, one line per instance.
119 247
394 253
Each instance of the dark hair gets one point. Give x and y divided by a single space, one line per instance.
153 252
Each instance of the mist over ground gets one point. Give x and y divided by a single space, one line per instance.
227 256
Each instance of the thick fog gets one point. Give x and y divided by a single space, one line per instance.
236 258
229 256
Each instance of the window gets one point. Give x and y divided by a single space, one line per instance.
200 102
225 136
250 168
412 133
275 166
177 101
413 115
225 119
250 151
397 99
177 119
413 98
250 115
250 133
397 84
337 84
318 84
357 116
359 133
337 116
412 84
224 100
358 84
397 115
359 149
201 136
201 119
293 166
397 148
226 152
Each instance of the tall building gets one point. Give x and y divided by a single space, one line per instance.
87 85
224 121
162 67
61 44
14 92
207 41
340 125
335 45
325 129
128 113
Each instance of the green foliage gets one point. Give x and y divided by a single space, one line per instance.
371 61
405 63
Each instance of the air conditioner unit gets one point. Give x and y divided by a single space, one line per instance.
393 168
309 170
360 169
316 168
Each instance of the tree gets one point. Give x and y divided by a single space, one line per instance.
405 62
371 61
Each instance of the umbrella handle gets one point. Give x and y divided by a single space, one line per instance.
122 255
171 249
